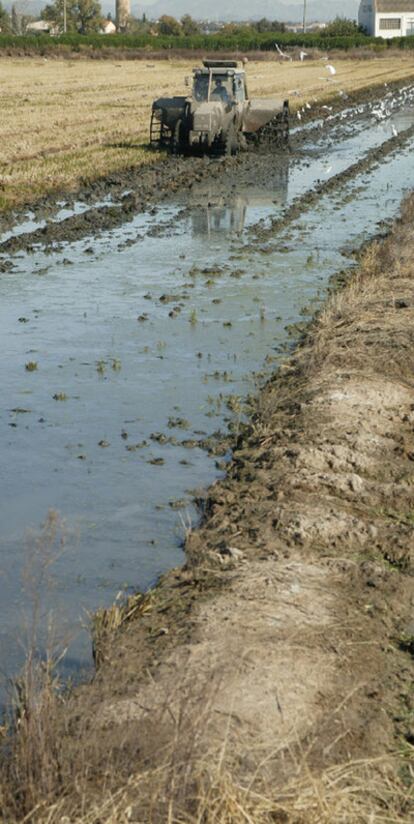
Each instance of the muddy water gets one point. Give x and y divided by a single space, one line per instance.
146 341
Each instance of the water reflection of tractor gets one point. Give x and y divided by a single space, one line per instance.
220 217
214 213
218 115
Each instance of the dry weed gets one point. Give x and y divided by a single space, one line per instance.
360 792
30 764
106 621
159 771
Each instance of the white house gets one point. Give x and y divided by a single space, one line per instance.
107 27
387 18
41 27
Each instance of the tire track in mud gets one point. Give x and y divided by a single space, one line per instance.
307 201
137 191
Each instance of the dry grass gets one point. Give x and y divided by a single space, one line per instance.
163 775
106 622
43 785
65 121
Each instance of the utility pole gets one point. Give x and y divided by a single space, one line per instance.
304 16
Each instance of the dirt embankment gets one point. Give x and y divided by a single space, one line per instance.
270 679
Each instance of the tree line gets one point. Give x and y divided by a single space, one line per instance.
86 17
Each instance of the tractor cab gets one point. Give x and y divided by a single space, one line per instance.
219 81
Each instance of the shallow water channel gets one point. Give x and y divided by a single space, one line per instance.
141 343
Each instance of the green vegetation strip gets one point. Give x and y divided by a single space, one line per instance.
248 40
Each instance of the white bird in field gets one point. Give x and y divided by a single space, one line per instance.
331 69
394 130
299 116
282 54
303 55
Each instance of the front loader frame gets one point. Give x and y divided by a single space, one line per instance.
160 134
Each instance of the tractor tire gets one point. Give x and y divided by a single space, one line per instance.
177 140
231 141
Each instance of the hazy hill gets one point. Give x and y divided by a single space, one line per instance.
244 9
219 10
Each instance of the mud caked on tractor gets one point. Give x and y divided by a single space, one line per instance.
218 115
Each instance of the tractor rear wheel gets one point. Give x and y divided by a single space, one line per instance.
231 141
177 139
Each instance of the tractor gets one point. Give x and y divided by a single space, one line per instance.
218 116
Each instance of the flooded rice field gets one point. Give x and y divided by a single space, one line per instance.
128 354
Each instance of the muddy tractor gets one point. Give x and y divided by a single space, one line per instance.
218 116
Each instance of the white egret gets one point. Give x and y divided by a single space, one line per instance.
282 54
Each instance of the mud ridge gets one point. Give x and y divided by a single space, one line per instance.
307 201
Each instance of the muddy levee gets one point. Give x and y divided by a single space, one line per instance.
270 678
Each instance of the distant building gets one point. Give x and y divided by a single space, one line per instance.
387 18
107 27
42 27
313 26
123 12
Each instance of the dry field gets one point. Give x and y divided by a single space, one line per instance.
63 122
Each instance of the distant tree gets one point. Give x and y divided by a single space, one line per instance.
139 26
5 22
25 19
81 15
189 25
264 25
341 27
169 25
16 21
88 15
232 28
53 13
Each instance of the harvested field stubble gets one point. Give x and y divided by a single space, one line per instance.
271 679
67 122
